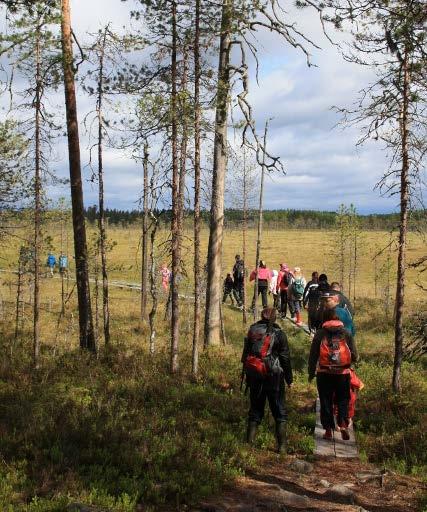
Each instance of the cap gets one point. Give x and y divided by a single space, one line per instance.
326 295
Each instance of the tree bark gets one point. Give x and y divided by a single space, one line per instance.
153 286
101 220
213 290
244 234
260 218
37 206
144 244
197 273
401 261
87 339
176 253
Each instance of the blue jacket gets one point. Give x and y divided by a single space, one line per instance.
346 319
51 260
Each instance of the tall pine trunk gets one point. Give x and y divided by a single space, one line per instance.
87 339
101 220
197 273
401 262
37 206
176 253
213 291
244 233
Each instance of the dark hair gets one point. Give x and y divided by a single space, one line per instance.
269 314
262 264
315 274
323 277
329 314
237 257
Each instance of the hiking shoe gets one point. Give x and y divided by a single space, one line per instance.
344 434
328 434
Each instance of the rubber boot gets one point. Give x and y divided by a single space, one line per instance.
251 432
298 318
281 436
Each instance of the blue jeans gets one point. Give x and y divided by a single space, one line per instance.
260 391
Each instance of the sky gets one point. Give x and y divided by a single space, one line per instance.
323 165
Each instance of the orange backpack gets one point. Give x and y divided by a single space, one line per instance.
335 356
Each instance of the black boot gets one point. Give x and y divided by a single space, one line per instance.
251 432
281 436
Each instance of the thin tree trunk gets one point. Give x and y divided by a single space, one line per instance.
260 219
401 262
18 297
153 286
213 290
197 272
176 253
144 244
101 219
37 208
245 229
87 340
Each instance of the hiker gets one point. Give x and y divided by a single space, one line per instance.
228 287
50 263
313 283
264 276
63 264
344 302
272 288
296 293
267 366
283 280
330 300
332 351
166 276
311 301
239 279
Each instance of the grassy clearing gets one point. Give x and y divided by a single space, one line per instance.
118 430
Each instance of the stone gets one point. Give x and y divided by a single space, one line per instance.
301 466
341 494
325 483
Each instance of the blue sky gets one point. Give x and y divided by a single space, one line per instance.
324 168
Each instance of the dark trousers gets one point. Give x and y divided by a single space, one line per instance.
262 390
263 290
333 387
238 292
228 293
283 302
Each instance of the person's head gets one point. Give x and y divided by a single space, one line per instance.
323 278
237 257
297 271
329 314
269 314
284 267
228 275
315 276
329 300
335 286
262 264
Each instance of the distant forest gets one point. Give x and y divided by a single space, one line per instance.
273 219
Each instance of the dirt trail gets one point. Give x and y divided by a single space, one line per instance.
276 485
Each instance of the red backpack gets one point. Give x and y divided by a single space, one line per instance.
335 356
260 362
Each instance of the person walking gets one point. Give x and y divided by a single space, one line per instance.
283 280
296 293
51 262
63 264
165 275
267 365
330 300
228 287
239 279
343 302
272 288
332 352
264 277
312 284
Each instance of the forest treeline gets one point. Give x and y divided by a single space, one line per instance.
273 219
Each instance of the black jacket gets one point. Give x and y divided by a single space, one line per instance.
280 350
315 347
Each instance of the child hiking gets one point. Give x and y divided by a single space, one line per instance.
296 294
264 276
227 288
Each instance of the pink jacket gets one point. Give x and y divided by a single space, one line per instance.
263 273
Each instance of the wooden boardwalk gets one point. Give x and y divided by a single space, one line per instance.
336 448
